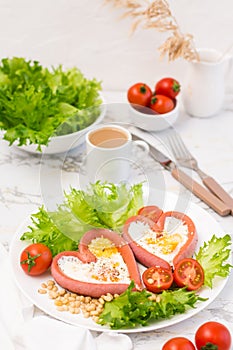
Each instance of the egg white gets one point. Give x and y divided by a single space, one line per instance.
166 244
109 267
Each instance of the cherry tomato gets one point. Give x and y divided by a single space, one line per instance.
189 273
157 279
35 259
213 333
151 211
139 94
168 87
178 343
161 104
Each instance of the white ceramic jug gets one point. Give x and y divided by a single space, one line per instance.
204 86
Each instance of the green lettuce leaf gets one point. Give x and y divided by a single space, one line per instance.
37 103
106 204
100 205
43 230
133 308
214 258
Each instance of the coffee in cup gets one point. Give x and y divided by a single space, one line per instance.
109 153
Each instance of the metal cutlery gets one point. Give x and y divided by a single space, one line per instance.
201 192
185 158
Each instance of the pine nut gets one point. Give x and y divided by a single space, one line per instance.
108 297
53 295
95 318
58 303
75 303
50 283
94 313
42 291
62 292
71 299
71 309
90 307
87 300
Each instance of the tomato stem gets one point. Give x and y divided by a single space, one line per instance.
176 87
143 89
30 261
209 346
154 100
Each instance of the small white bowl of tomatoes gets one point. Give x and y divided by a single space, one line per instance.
154 110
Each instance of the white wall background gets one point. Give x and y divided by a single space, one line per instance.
90 35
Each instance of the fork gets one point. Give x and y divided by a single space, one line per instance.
186 159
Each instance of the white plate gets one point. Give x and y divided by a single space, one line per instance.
206 226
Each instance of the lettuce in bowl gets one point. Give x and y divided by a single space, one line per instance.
37 103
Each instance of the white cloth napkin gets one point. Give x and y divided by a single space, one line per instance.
113 341
20 330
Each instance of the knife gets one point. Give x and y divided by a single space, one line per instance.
201 192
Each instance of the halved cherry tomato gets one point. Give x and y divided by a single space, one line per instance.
189 273
178 343
35 259
157 279
139 94
189 246
161 104
215 334
151 211
168 87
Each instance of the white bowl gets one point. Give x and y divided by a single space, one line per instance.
64 143
150 121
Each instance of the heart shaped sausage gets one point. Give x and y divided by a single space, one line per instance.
104 264
157 244
186 229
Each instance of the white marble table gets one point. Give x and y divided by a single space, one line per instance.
209 139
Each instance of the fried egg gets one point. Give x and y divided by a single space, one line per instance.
109 267
165 244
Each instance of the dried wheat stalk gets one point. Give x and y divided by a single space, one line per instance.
157 14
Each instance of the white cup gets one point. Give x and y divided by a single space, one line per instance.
109 152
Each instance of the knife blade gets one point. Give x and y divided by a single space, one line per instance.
201 192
